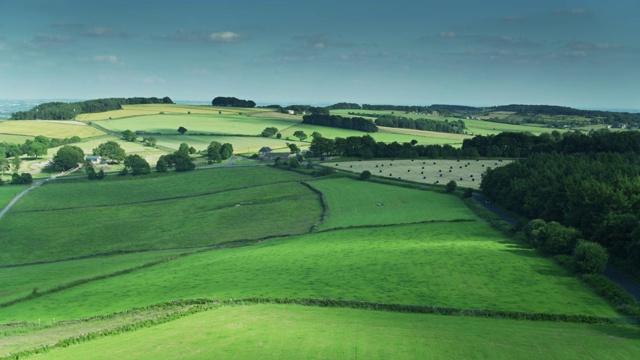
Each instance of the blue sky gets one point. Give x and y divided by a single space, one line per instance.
576 53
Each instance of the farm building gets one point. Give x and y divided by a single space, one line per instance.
264 151
95 159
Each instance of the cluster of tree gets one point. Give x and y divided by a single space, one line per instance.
523 144
67 157
37 147
356 123
555 239
232 102
110 150
269 131
454 127
367 148
179 160
68 111
135 164
454 108
344 105
22 179
91 171
596 193
608 117
216 152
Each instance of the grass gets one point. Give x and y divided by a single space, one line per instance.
8 192
466 173
354 203
51 129
15 139
241 144
76 217
287 331
169 109
17 282
464 265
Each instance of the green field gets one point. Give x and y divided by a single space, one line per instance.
355 203
466 173
154 217
51 129
168 109
19 281
9 192
246 332
241 144
408 264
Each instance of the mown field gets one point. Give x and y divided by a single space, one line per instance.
51 129
241 144
7 193
173 109
466 173
245 332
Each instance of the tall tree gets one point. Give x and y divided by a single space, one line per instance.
110 150
68 157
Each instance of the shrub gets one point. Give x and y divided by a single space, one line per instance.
589 258
467 193
451 186
365 175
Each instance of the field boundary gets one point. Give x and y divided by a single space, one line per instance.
199 305
323 205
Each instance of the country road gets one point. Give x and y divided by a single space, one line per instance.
624 282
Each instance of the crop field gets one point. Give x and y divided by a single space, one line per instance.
189 217
51 129
466 173
246 332
464 265
19 281
154 109
355 203
198 123
15 139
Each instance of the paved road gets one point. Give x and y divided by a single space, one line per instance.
626 283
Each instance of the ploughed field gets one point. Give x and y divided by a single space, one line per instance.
268 235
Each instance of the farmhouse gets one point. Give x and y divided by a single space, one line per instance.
264 151
95 159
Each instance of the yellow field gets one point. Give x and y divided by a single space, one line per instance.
51 129
154 109
466 173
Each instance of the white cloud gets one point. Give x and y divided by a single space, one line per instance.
225 36
111 59
153 80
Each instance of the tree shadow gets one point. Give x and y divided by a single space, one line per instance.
620 331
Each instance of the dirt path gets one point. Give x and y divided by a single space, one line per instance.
632 287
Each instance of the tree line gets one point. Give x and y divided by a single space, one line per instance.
596 193
68 111
232 102
355 123
453 127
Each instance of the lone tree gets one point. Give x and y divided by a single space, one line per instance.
300 135
365 175
150 141
68 157
129 135
182 130
110 150
269 132
161 165
451 186
293 148
589 258
136 165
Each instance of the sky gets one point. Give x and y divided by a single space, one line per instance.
584 54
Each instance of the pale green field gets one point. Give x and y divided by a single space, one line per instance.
297 332
15 139
466 265
154 109
241 144
355 203
51 129
466 173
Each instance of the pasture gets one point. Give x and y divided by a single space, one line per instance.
9 192
465 265
51 129
289 331
356 203
241 144
171 213
466 173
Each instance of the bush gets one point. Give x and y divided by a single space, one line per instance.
24 178
451 186
589 258
467 193
365 175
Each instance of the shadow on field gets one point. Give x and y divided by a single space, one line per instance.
627 332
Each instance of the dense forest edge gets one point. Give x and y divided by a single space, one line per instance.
68 111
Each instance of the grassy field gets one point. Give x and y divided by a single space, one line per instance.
171 213
355 203
466 173
51 129
465 265
241 144
169 109
288 332
16 282
15 139
8 192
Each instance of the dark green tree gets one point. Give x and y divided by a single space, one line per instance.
226 150
589 258
183 162
37 149
161 165
129 135
451 186
300 135
293 148
136 165
150 141
68 157
269 132
365 175
110 150
90 170
182 130
184 148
